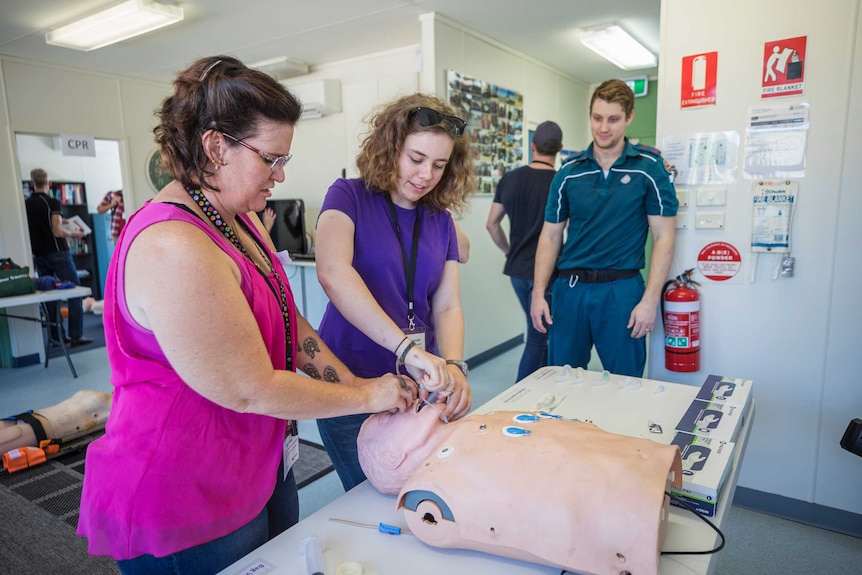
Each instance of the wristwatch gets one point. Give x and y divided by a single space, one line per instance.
461 364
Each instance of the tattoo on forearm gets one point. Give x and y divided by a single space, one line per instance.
311 370
330 375
310 347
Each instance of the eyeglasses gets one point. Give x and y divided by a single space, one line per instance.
273 161
428 117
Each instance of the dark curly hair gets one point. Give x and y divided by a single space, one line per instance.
378 159
216 93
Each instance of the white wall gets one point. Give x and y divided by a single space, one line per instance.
795 337
491 310
42 99
324 147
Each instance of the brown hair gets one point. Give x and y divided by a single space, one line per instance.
39 177
378 159
216 93
615 92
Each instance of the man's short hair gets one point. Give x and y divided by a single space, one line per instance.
39 177
615 92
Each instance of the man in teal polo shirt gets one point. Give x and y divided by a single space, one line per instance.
610 195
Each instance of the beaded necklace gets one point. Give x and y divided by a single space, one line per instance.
215 217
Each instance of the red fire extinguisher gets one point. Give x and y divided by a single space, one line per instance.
680 307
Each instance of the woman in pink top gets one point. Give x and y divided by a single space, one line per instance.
204 342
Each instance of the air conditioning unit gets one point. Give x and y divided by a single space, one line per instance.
319 98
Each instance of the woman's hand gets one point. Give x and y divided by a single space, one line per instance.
460 399
428 370
389 392
268 219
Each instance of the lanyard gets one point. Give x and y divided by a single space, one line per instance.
409 265
230 234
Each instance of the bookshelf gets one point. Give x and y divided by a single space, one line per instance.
73 196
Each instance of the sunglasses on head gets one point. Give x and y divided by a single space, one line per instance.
428 117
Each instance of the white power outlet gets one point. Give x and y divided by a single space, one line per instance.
682 220
682 197
710 221
709 197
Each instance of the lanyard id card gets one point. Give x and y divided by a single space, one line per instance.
416 335
290 447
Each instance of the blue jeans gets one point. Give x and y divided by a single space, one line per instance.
339 437
62 266
281 512
536 347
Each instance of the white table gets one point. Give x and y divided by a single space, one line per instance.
614 409
40 298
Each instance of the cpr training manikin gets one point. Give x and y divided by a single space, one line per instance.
531 486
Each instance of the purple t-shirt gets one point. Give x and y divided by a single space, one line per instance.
377 258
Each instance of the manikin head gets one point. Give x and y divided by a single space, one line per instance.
392 445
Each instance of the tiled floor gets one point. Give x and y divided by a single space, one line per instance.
757 544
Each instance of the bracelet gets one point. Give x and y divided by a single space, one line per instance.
406 349
397 347
460 364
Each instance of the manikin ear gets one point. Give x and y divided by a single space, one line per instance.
391 458
214 147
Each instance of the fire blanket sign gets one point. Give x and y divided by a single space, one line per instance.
719 261
783 67
699 74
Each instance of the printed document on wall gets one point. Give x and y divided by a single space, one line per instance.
707 158
775 141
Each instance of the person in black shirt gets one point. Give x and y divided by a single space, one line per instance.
51 255
521 196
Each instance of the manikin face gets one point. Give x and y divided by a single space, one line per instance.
608 124
421 164
392 445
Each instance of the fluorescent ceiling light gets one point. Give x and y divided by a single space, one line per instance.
121 22
281 67
613 43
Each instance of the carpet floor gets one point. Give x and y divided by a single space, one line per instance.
39 512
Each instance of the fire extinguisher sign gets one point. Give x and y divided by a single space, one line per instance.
719 261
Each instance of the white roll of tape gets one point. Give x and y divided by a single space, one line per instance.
349 568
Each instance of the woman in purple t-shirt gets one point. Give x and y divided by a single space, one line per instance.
387 257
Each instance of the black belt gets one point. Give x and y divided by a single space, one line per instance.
595 276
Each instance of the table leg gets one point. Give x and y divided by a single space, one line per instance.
61 333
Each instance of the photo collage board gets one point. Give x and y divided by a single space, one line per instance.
495 124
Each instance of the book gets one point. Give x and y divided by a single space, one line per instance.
77 223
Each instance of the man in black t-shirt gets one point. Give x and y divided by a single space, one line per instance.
522 195
51 255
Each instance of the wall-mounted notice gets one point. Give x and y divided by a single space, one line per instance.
699 77
772 214
708 158
719 261
775 141
783 67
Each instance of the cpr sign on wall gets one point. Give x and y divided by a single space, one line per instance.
76 145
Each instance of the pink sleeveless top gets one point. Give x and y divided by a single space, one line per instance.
174 469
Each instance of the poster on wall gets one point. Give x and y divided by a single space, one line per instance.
775 141
495 118
699 79
783 67
705 158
